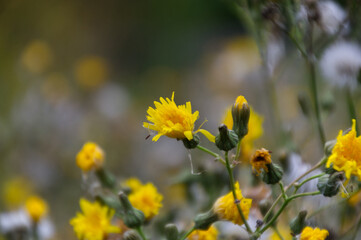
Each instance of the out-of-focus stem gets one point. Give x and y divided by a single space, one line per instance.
187 234
210 152
351 108
141 233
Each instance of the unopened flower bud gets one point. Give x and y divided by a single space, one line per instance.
106 178
204 220
226 139
273 175
131 235
109 201
329 184
298 223
193 143
132 217
171 232
240 114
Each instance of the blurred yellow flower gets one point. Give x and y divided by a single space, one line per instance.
309 233
210 234
285 233
91 72
355 199
255 131
226 208
173 121
90 156
37 56
260 159
346 154
95 221
146 199
133 183
16 191
36 207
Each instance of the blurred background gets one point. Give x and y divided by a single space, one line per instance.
77 71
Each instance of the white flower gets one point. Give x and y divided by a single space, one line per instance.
341 64
332 16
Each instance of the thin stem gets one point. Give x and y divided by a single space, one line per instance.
236 200
304 194
210 152
187 234
283 191
307 180
141 233
238 152
319 164
351 108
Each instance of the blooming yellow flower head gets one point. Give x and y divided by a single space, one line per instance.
90 156
210 234
260 159
346 154
146 199
309 233
133 183
95 221
255 131
36 208
226 208
173 121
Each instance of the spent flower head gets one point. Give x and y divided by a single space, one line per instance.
36 207
210 234
146 199
94 223
173 121
309 233
91 156
260 159
346 154
226 208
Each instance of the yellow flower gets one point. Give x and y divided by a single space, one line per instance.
240 100
91 72
260 159
133 183
285 233
90 156
16 191
210 234
146 199
309 233
226 208
255 131
346 154
36 208
37 57
95 221
173 121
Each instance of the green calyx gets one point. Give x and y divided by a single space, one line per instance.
240 120
226 139
132 217
329 184
190 144
204 220
273 175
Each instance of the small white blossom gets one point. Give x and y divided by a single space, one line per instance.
332 16
341 64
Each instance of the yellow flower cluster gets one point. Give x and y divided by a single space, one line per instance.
226 208
309 233
145 198
95 221
36 207
91 156
255 131
210 234
260 159
173 121
346 154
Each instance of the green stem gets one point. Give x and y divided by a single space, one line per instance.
187 234
307 180
238 152
304 195
283 191
210 152
236 200
351 108
141 233
319 164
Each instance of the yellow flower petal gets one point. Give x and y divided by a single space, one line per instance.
208 135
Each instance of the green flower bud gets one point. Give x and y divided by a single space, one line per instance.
106 178
190 144
329 146
240 114
298 223
273 175
131 235
109 201
132 217
226 139
329 184
171 232
204 220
